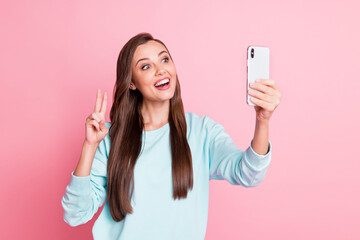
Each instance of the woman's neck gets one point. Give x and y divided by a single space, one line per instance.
155 114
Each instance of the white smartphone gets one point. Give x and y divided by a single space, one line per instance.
258 66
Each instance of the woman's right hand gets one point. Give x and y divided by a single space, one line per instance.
95 130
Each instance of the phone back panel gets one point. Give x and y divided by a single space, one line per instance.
258 66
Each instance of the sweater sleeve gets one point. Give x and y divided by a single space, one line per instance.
84 195
227 161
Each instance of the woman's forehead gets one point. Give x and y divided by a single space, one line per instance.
149 49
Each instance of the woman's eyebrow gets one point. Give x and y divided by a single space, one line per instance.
148 58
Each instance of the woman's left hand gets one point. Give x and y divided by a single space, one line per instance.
266 100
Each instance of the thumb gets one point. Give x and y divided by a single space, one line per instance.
102 126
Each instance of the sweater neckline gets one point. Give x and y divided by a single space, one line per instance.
157 131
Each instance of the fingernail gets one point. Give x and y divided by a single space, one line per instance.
257 80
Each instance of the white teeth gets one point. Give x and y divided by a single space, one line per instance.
162 82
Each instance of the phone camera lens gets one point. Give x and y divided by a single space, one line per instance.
252 53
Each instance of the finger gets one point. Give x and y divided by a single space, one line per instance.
103 127
263 88
268 82
260 95
265 105
98 101
95 124
104 104
95 116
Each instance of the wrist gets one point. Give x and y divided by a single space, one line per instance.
89 145
261 121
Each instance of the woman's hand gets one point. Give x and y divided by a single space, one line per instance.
266 100
95 130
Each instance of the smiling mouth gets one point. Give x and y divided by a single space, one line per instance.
163 82
163 85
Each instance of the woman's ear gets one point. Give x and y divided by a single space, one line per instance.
132 86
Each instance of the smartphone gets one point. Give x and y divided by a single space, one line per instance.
258 66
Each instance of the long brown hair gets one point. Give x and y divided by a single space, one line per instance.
126 136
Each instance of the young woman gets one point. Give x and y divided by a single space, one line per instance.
152 163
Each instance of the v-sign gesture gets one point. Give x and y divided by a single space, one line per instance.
95 130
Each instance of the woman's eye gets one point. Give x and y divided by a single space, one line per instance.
167 59
144 66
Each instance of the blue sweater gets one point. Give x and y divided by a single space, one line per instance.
156 215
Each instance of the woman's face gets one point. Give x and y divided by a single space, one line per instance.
151 63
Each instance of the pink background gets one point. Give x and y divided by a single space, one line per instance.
55 54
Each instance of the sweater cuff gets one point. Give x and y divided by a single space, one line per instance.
257 160
80 184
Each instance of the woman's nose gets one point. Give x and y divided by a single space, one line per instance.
160 70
